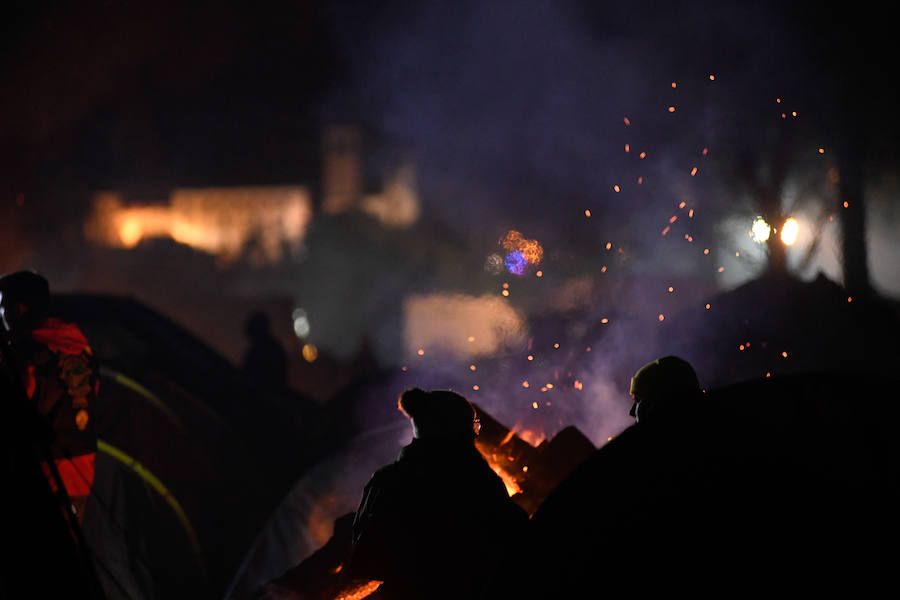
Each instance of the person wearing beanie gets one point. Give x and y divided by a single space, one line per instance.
430 524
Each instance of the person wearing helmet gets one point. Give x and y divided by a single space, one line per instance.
430 524
664 388
59 373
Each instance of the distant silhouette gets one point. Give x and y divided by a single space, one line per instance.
434 523
265 361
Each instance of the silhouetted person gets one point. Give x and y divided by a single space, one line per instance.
265 361
664 390
627 519
60 375
434 523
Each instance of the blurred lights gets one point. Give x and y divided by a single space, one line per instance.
310 353
301 323
760 230
789 231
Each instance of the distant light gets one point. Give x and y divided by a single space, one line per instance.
707 307
712 77
671 109
604 320
674 84
472 367
789 231
661 318
587 213
130 232
475 387
693 171
617 188
846 204
539 274
421 351
310 353
530 357
760 230
821 150
784 354
556 345
301 323
671 289
525 384
471 338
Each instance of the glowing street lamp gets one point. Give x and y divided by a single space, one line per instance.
760 230
789 231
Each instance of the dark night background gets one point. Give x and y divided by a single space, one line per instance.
515 116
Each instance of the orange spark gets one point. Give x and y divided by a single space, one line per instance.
671 109
604 320
627 148
525 384
475 387
642 155
627 122
707 307
661 317
673 219
587 213
539 274
578 385
617 188
603 269
640 180
693 171
472 367
691 214
666 230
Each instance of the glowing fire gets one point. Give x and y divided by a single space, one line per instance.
360 591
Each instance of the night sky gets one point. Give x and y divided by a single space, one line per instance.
514 111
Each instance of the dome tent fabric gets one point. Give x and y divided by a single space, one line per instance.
191 458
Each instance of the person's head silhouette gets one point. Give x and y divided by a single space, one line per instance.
439 414
663 388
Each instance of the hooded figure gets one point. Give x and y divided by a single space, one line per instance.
431 524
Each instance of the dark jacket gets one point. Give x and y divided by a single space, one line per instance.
432 524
